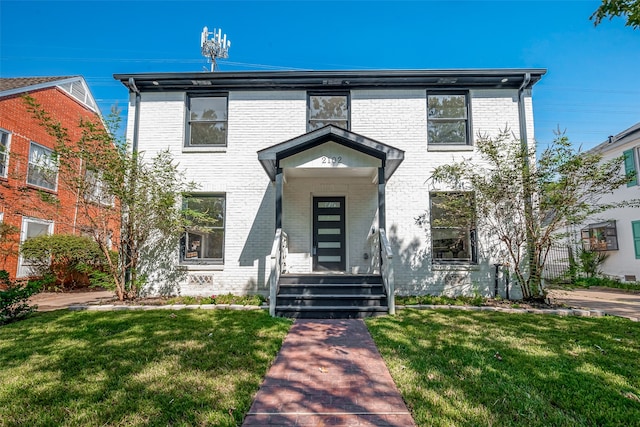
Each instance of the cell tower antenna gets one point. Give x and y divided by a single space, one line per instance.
214 47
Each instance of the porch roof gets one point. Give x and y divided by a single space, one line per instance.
390 157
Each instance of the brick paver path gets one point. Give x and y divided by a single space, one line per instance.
328 373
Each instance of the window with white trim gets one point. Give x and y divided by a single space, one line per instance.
206 121
5 138
95 189
448 118
327 109
203 240
452 221
43 167
31 227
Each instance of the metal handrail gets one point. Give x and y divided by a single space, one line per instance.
386 270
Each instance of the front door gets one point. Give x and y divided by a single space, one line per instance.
329 251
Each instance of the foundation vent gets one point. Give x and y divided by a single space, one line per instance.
201 279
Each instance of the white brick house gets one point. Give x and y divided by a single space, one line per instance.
617 231
331 158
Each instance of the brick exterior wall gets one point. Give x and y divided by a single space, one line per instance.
19 200
260 119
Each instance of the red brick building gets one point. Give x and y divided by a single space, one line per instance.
32 198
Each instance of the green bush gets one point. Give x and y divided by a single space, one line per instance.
587 282
13 299
591 261
74 261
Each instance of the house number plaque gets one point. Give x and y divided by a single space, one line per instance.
331 160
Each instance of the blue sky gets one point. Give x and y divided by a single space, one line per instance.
592 88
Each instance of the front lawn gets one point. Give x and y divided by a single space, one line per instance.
463 368
178 368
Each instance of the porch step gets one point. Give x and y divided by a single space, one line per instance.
339 296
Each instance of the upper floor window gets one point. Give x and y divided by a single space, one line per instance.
203 241
4 152
452 220
632 166
43 167
328 109
448 118
206 121
95 189
602 236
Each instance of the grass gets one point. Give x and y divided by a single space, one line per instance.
459 368
183 368
439 300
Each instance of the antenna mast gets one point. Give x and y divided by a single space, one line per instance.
214 48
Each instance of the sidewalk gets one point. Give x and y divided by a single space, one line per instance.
328 372
611 301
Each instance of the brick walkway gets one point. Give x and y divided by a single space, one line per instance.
328 373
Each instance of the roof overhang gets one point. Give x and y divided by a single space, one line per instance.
389 156
344 80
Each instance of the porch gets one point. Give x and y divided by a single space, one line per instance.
330 255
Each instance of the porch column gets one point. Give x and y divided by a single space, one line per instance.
278 198
382 223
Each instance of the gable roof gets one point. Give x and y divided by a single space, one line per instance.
270 157
75 86
613 142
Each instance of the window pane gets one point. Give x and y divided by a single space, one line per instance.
451 243
328 107
204 240
452 218
328 204
4 142
447 106
329 245
329 217
43 170
208 133
447 132
35 229
328 110
213 109
207 121
328 231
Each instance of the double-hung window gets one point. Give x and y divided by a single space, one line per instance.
328 109
452 220
43 167
31 227
448 118
95 189
206 121
203 240
4 152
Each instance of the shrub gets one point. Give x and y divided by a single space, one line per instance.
71 259
606 282
591 261
13 300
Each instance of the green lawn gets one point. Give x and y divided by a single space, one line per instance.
461 368
182 368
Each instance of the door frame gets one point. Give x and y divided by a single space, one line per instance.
345 240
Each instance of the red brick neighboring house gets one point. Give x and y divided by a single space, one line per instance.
29 178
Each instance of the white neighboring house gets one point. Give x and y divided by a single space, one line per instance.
336 160
617 231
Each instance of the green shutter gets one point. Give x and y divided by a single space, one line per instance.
630 167
635 227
